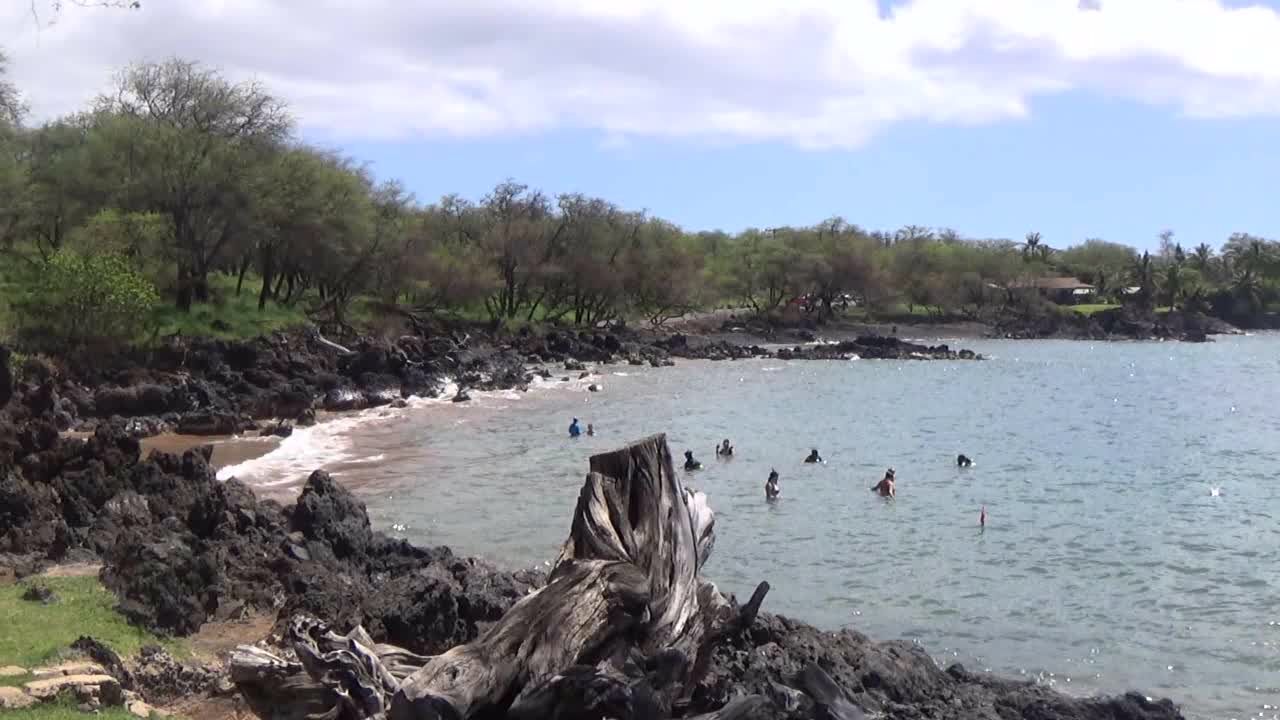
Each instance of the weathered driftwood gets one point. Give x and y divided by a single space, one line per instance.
334 676
624 627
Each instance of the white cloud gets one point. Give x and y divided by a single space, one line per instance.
815 73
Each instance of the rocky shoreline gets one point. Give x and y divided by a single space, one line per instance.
181 549
1121 323
211 387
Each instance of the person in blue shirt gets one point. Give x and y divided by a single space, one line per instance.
574 431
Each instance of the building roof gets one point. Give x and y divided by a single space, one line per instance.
1052 283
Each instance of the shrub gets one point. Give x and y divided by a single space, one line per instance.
81 301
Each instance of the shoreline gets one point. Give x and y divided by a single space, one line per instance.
242 449
262 548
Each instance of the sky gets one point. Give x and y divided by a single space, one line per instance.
1072 118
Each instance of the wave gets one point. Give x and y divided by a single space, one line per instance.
330 442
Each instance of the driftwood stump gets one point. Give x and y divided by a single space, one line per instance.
624 627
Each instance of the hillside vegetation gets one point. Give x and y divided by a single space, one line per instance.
181 202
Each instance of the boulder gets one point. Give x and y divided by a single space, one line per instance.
103 687
328 513
164 579
12 698
163 679
211 423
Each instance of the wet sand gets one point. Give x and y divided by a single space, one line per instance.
227 450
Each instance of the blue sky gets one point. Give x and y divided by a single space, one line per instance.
1078 167
1073 118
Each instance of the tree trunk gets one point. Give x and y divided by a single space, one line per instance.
200 285
268 275
184 288
627 581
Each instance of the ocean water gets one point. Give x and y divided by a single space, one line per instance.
1132 538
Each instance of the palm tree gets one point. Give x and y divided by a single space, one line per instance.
1173 284
1031 247
1202 260
1144 277
1248 287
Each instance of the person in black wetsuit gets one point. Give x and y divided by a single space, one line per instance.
963 461
724 449
689 462
814 457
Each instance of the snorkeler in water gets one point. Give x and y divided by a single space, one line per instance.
814 457
689 462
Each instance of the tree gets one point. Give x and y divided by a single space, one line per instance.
12 112
184 140
86 301
1096 261
587 263
12 108
763 271
1167 245
47 13
1031 247
1143 275
838 259
1202 259
664 275
518 228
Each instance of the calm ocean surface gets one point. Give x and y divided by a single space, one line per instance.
1107 562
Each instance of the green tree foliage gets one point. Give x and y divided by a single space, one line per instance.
183 141
86 301
1103 264
180 175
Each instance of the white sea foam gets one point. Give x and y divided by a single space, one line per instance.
330 443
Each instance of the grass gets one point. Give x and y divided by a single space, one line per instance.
1087 310
36 634
65 709
229 316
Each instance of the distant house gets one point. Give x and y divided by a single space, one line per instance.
1061 290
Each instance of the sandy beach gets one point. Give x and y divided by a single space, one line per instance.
227 450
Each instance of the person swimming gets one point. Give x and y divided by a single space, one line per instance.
886 487
771 489
689 462
591 429
724 449
574 430
963 461
814 457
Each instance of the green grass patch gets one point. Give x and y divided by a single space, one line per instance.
229 316
65 709
36 634
1087 310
